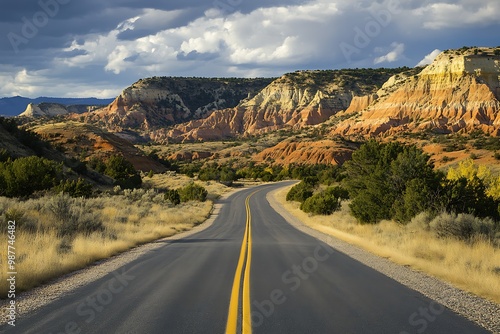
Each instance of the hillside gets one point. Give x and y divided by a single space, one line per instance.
307 151
294 100
458 92
11 145
13 106
54 109
84 141
165 101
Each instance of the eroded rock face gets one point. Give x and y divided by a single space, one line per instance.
164 101
457 92
293 101
310 152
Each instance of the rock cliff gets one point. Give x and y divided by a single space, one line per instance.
308 152
293 101
164 101
459 91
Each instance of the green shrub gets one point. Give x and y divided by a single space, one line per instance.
323 203
172 195
97 164
223 174
468 196
338 192
266 176
227 176
383 181
209 173
311 180
78 188
300 192
123 172
193 192
24 176
417 198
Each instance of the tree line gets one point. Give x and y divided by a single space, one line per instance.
394 181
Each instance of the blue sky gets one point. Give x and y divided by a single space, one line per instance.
71 48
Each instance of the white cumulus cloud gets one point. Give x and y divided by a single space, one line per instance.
394 55
429 58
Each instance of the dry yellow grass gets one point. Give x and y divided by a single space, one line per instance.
175 181
127 220
474 268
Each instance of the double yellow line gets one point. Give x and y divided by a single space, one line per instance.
244 262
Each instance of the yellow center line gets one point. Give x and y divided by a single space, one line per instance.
247 318
244 260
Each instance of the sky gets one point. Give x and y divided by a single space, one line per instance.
96 48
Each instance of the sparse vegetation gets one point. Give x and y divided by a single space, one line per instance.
59 234
25 137
464 227
470 265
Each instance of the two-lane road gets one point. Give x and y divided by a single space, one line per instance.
250 271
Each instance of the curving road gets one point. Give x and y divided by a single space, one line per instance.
249 272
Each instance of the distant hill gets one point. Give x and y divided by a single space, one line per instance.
13 106
192 109
166 101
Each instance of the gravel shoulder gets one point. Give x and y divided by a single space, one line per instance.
481 311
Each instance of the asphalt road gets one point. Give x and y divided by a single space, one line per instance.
249 271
